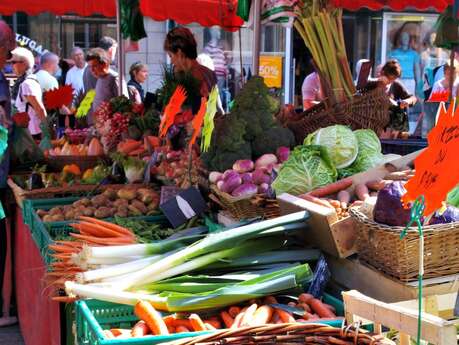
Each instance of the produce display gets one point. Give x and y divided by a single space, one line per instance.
125 202
93 149
260 312
248 178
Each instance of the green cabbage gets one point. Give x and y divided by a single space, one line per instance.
307 168
369 155
340 142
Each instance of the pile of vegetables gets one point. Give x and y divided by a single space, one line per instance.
249 131
133 147
248 178
168 273
258 313
327 154
128 201
93 149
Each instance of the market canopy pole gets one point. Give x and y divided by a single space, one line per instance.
120 57
256 37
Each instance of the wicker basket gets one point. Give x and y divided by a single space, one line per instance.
57 163
368 110
246 208
288 334
380 246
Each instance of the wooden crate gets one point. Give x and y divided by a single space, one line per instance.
438 322
334 236
351 274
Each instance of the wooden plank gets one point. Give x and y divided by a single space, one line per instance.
434 329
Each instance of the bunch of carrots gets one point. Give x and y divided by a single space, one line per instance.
151 322
91 231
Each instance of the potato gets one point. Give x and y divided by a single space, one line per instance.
152 207
145 195
139 205
110 194
100 201
127 194
42 213
58 217
55 210
69 215
103 212
120 202
133 211
88 211
122 213
82 202
48 218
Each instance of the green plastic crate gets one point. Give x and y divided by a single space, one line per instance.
43 233
93 316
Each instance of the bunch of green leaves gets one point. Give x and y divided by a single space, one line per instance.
121 104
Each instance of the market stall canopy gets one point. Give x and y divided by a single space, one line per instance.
205 12
81 7
396 5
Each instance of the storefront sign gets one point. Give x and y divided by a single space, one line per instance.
27 42
271 70
437 167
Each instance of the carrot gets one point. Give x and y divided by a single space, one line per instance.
154 141
234 311
209 327
307 315
169 320
119 331
361 191
305 297
344 198
317 201
270 300
140 329
305 306
320 309
96 228
215 323
62 249
152 318
128 146
275 318
108 225
227 319
136 152
182 322
196 323
64 299
285 316
248 315
237 320
103 241
262 316
332 188
108 334
181 329
171 329
330 307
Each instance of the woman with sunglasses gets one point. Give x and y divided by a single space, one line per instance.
27 91
139 74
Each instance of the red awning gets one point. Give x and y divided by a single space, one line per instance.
204 12
59 7
396 5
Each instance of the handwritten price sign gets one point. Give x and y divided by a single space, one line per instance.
437 167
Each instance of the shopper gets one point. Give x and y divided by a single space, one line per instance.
49 64
75 74
399 96
107 79
27 91
110 46
181 47
7 44
139 74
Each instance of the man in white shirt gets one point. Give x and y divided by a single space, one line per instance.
75 74
48 68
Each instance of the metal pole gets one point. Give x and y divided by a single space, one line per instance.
256 37
120 56
288 80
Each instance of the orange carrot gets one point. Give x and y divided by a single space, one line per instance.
152 318
140 329
332 188
196 323
169 320
262 315
103 241
137 152
275 318
171 329
305 297
332 308
305 306
128 146
227 319
181 329
214 323
307 315
119 331
234 311
270 300
108 225
62 249
285 316
320 309
64 299
248 315
97 230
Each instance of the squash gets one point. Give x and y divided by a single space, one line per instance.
66 150
95 148
74 151
72 169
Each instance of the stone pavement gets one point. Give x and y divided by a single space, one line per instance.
11 335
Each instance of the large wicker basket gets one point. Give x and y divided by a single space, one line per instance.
380 246
288 334
246 208
367 110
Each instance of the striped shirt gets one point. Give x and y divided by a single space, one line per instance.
219 59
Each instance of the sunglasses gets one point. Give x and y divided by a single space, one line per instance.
15 62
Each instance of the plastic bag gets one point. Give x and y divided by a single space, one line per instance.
24 150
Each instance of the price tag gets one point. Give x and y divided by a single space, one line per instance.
437 167
85 104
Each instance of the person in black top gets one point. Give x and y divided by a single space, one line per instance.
139 74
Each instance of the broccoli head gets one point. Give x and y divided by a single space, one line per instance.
271 140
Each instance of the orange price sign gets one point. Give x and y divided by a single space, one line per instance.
437 167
